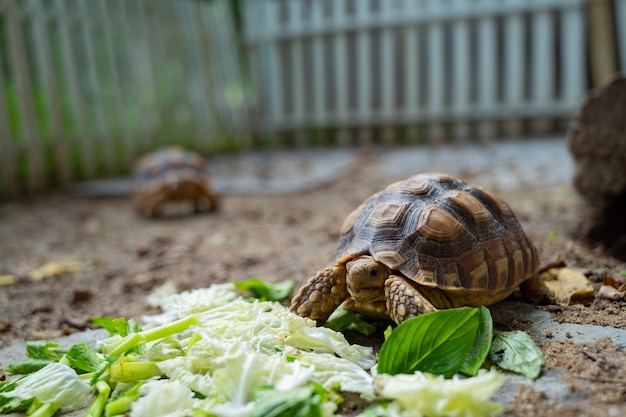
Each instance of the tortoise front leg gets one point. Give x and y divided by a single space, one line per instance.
321 295
404 300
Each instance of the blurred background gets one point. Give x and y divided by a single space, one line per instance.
86 86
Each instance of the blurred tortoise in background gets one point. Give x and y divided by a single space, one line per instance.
597 143
171 175
428 242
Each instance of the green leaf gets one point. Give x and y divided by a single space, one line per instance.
119 326
515 351
14 404
27 367
477 355
303 401
43 349
83 358
342 319
436 342
265 291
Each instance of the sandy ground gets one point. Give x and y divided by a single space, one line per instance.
113 258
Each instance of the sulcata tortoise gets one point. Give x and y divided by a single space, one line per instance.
428 242
171 175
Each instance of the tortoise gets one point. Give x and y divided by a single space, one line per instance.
169 175
425 243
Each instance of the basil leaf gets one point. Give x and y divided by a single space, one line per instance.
482 344
436 342
265 291
515 351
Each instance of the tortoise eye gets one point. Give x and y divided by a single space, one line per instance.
373 272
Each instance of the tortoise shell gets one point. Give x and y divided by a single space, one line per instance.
442 233
171 175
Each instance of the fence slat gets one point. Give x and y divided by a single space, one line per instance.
364 73
320 83
514 73
436 70
51 94
8 163
574 74
620 16
20 69
340 53
487 72
461 74
542 60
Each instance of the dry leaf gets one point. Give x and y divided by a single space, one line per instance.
569 287
613 288
6 280
610 293
52 269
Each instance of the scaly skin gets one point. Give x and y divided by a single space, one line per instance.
404 301
322 294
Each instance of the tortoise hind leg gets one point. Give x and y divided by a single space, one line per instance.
404 300
321 295
536 292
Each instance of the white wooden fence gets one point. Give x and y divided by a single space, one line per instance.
418 69
87 85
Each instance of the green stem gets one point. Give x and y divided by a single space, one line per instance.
46 410
96 408
126 371
135 339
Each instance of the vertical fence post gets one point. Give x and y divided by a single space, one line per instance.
71 84
487 71
435 86
340 58
412 71
364 73
462 74
514 74
8 165
542 70
42 43
620 17
30 143
573 75
296 56
388 81
320 83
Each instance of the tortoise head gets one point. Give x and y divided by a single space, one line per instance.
366 278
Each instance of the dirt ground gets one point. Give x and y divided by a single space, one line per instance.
118 258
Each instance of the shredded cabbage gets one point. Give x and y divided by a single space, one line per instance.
55 384
240 345
164 398
423 394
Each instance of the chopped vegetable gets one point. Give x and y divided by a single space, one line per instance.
422 394
56 386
